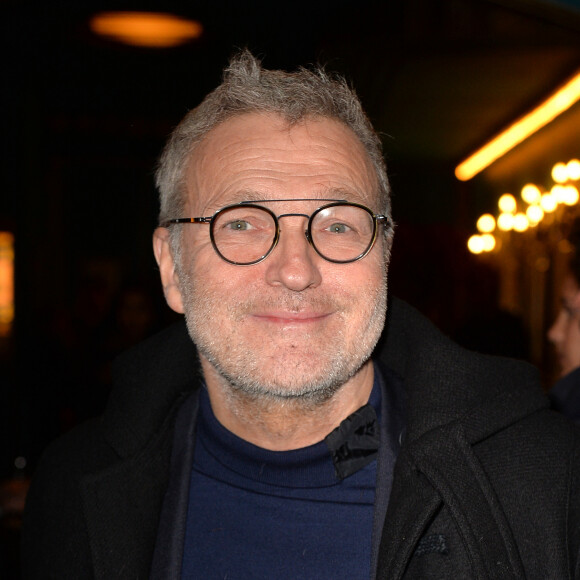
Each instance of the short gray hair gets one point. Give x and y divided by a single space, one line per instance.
249 88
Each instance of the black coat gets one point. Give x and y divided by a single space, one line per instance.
565 396
486 485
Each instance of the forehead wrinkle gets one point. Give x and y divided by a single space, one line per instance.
245 157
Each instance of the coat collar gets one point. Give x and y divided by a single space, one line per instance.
445 383
455 398
148 381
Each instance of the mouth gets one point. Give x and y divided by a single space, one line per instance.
286 318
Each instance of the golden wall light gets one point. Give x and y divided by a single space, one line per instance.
475 244
558 192
486 223
571 195
535 214
6 283
549 202
573 169
560 173
521 223
505 221
507 203
488 242
146 29
561 100
531 193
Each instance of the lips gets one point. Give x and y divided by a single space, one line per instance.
285 317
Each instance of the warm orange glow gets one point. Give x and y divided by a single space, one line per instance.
531 193
549 202
152 29
6 283
571 195
557 103
535 214
558 192
486 223
560 173
507 203
488 242
521 222
573 169
475 244
505 222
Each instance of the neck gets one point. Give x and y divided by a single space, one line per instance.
281 424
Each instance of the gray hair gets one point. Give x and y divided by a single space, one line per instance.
249 88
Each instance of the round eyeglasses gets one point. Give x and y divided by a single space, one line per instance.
246 233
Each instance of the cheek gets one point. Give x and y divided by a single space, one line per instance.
362 289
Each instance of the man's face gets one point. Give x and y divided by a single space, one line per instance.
294 324
565 332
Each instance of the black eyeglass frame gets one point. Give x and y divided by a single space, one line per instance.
377 219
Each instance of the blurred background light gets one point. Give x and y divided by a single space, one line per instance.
505 222
573 169
475 244
561 100
558 192
507 203
535 214
486 223
521 223
560 173
531 193
571 195
147 29
488 242
6 283
549 202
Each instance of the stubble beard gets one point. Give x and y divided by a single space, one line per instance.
282 379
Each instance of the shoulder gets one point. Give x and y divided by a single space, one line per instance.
54 535
444 382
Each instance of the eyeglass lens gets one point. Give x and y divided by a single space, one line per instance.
245 234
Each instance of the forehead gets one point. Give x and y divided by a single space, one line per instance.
262 155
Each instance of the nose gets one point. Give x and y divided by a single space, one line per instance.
293 263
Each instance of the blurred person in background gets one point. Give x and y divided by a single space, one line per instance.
564 334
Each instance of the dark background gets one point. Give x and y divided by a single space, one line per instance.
84 120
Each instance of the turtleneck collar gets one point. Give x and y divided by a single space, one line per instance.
348 448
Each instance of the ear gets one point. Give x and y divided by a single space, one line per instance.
169 278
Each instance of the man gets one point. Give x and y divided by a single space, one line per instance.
267 440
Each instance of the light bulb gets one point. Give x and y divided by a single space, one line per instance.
507 203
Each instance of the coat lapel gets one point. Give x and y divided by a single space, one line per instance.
412 505
122 506
440 468
123 502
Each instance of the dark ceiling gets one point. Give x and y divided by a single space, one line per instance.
438 77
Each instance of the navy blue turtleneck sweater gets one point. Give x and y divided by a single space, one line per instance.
255 513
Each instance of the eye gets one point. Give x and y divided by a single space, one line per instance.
238 225
338 228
